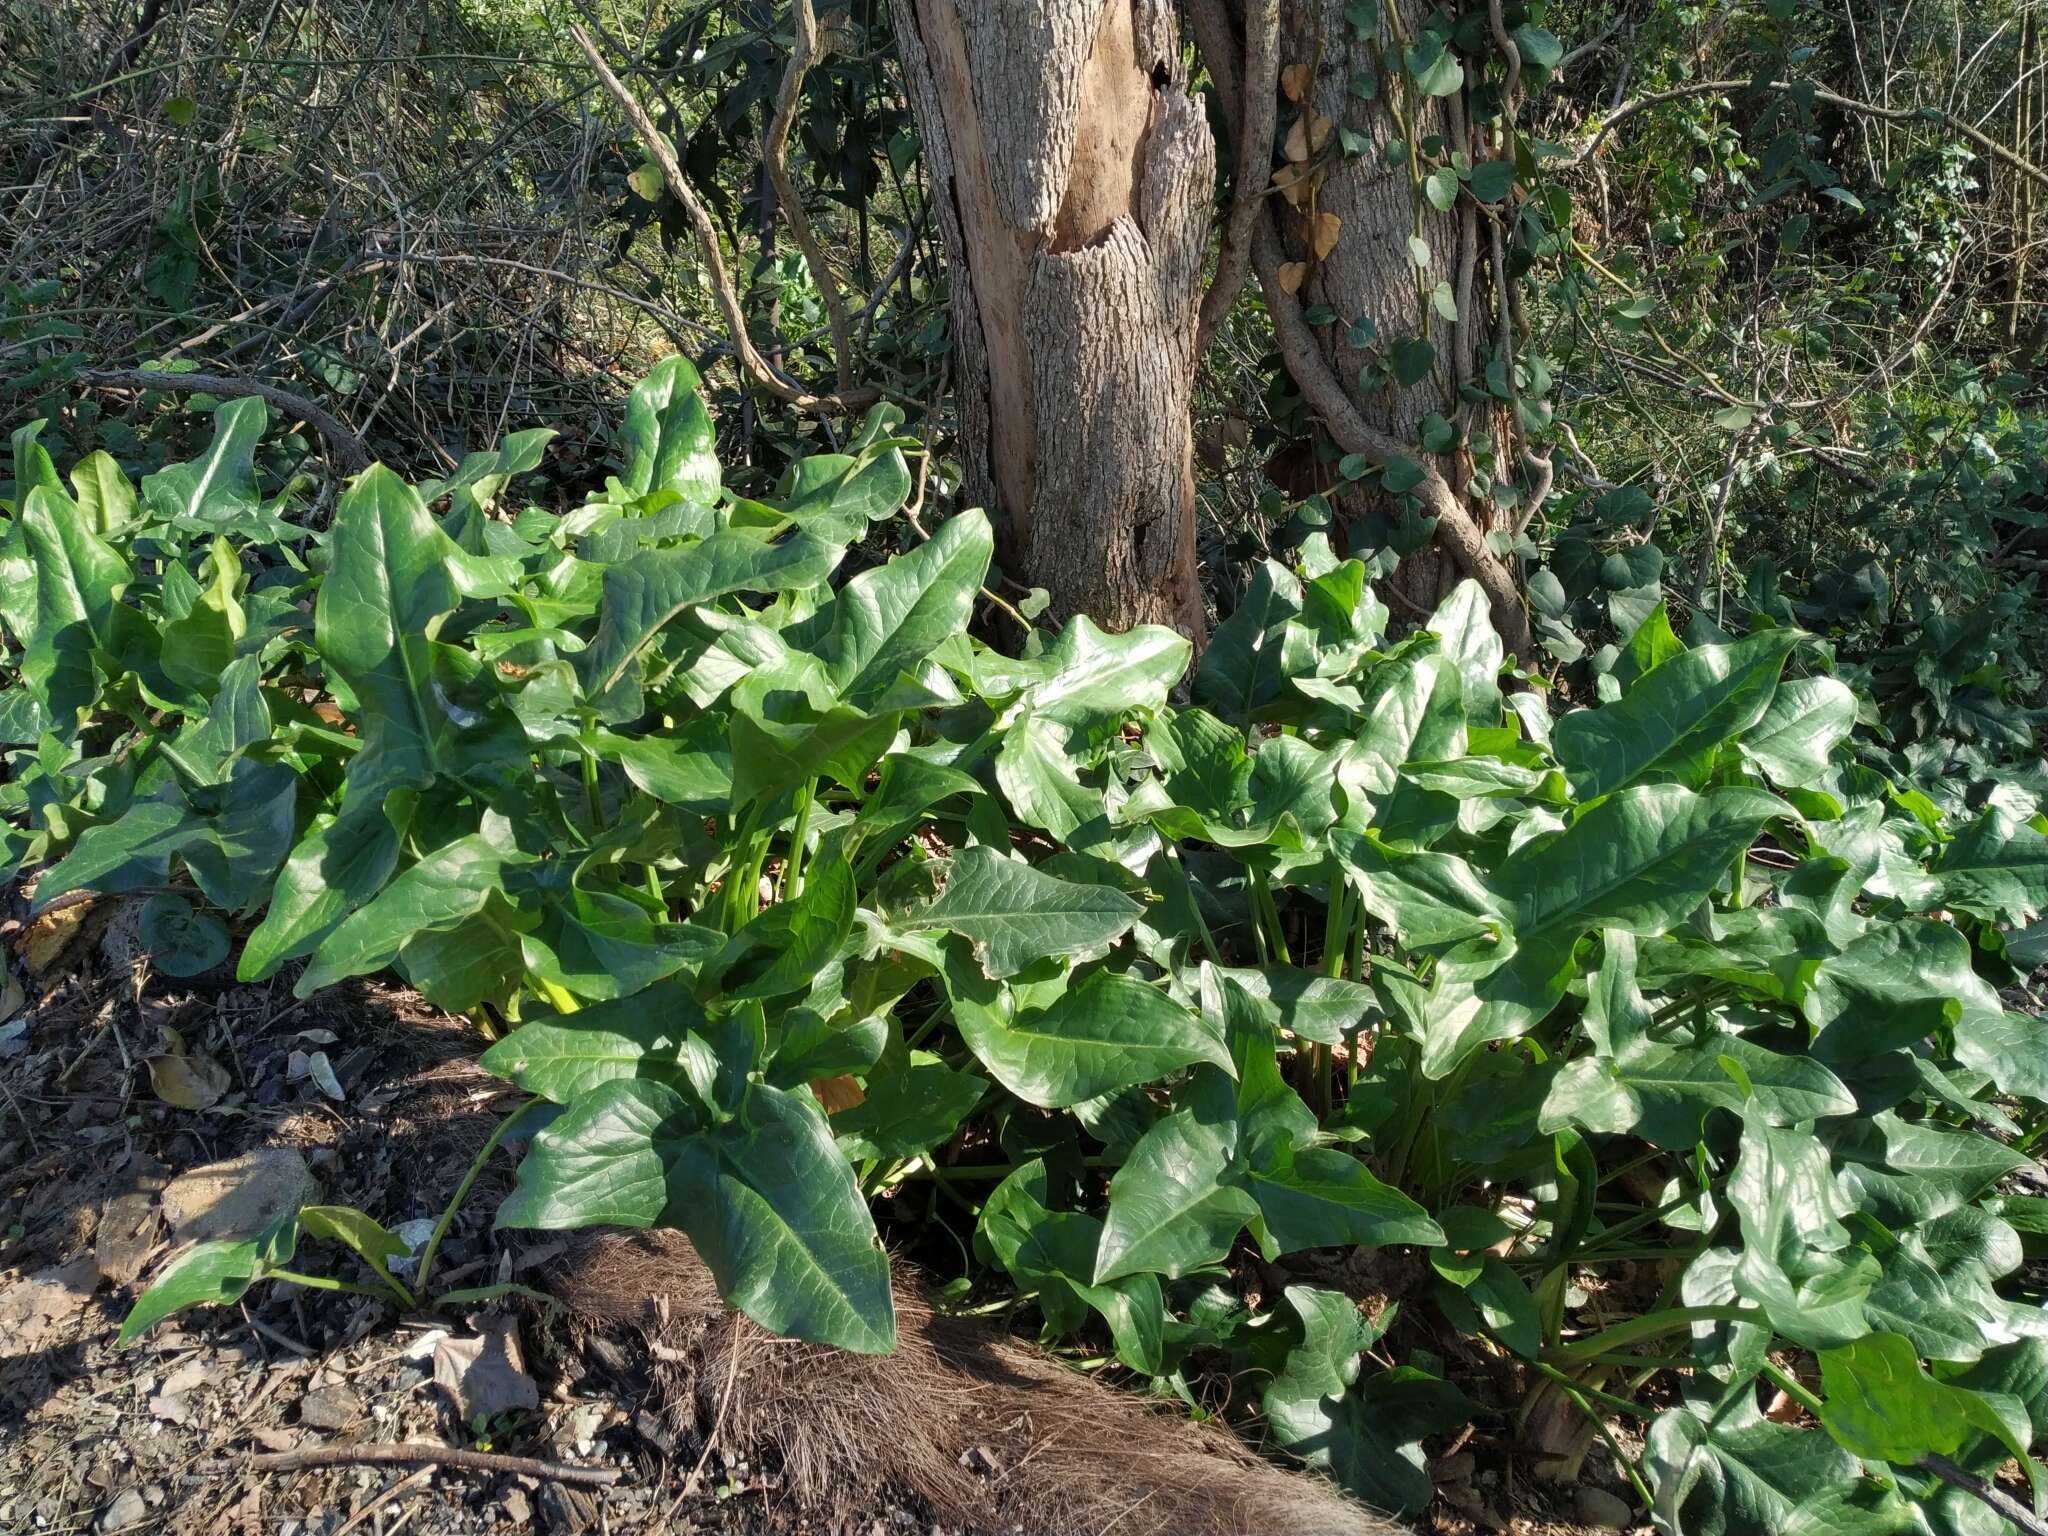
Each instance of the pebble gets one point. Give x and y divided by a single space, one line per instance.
330 1408
1596 1506
128 1508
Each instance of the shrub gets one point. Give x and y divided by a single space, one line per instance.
1347 947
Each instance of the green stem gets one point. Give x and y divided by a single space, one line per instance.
793 870
1653 1325
1790 1385
1579 1388
325 1283
476 1167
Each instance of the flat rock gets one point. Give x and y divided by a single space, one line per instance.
127 1508
330 1408
1596 1506
239 1196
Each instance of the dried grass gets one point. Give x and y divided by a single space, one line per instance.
988 1433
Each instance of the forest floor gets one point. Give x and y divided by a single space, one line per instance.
370 1095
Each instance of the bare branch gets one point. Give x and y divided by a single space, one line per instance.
1253 124
775 151
752 364
351 455
1456 528
1933 115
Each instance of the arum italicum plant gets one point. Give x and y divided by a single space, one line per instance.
1352 949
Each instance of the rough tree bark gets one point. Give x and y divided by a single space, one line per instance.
1073 177
1361 266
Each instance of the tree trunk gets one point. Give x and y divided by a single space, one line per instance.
1363 267
1073 177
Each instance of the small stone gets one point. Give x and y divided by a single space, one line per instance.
1598 1507
128 1508
330 1408
240 1197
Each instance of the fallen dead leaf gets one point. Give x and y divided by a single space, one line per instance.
126 1236
1294 81
50 935
32 1307
240 1196
486 1375
188 1082
13 997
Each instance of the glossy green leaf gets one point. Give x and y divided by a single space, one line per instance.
1014 914
765 1198
1673 722
1105 1032
668 436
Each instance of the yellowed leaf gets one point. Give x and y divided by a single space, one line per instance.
50 935
1294 182
1294 81
838 1093
1292 275
188 1082
1324 239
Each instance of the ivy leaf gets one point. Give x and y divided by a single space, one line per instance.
1320 1197
384 597
216 491
1880 1404
213 1273
784 948
563 1057
886 620
1664 1092
448 886
1639 860
1995 868
1807 718
337 867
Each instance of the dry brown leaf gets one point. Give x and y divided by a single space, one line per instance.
1294 81
240 1196
32 1307
1292 275
50 935
1324 239
1308 136
1294 182
838 1093
486 1375
188 1082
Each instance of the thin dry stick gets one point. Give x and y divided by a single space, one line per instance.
1933 115
1255 125
413 1452
775 151
732 1375
351 455
752 364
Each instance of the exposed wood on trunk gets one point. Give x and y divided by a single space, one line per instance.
1074 177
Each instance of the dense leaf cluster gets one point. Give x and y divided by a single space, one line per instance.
787 892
